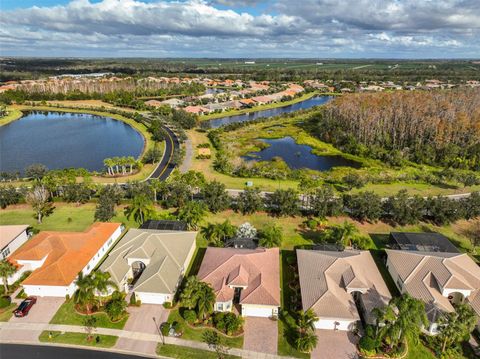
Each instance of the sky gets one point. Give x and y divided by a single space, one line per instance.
241 28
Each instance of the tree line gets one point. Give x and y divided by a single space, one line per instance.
435 127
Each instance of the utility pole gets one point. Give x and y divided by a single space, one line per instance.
159 330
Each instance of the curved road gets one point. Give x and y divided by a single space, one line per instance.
166 165
16 351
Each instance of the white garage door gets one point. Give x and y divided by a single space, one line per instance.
335 324
256 311
152 298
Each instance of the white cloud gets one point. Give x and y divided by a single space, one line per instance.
307 28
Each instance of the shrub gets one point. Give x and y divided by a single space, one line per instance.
5 301
178 327
227 322
190 316
165 328
167 305
115 308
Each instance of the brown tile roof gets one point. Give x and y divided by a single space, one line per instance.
257 269
429 272
67 253
328 278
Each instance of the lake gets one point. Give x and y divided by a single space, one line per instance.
302 105
64 140
298 156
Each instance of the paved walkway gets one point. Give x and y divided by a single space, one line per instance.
8 335
187 161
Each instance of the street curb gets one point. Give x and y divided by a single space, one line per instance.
112 350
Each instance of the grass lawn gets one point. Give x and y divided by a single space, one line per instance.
106 341
67 315
418 351
13 114
196 334
176 351
292 234
65 217
7 312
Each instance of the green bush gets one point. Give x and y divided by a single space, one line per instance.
5 301
165 328
167 305
115 308
190 316
227 322
178 327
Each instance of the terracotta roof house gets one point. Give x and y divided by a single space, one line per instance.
338 286
197 110
11 238
440 279
151 263
249 278
56 258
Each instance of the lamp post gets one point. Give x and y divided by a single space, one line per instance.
159 330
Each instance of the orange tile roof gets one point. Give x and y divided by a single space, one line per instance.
256 269
67 253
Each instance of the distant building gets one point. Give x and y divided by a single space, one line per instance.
249 62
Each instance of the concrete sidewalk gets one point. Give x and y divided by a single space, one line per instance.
8 330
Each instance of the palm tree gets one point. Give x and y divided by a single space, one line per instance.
102 283
306 321
141 209
212 233
306 342
85 293
156 185
116 163
131 162
107 162
348 231
7 269
205 300
192 213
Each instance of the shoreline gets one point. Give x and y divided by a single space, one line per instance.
141 129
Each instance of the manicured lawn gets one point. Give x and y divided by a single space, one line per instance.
65 217
7 312
106 341
293 235
196 334
67 315
175 351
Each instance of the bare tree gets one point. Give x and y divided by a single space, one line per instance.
39 199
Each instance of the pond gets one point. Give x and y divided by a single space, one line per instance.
298 156
302 105
64 140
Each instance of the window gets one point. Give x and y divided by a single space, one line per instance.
220 306
88 267
399 283
6 252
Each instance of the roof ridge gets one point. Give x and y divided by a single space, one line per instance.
324 273
416 268
170 255
156 273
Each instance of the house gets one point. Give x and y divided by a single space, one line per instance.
248 279
56 258
173 102
197 110
154 103
151 263
340 287
11 238
440 279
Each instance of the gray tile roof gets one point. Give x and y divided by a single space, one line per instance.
328 278
166 254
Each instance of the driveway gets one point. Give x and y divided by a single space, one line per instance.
42 311
261 335
141 320
335 344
